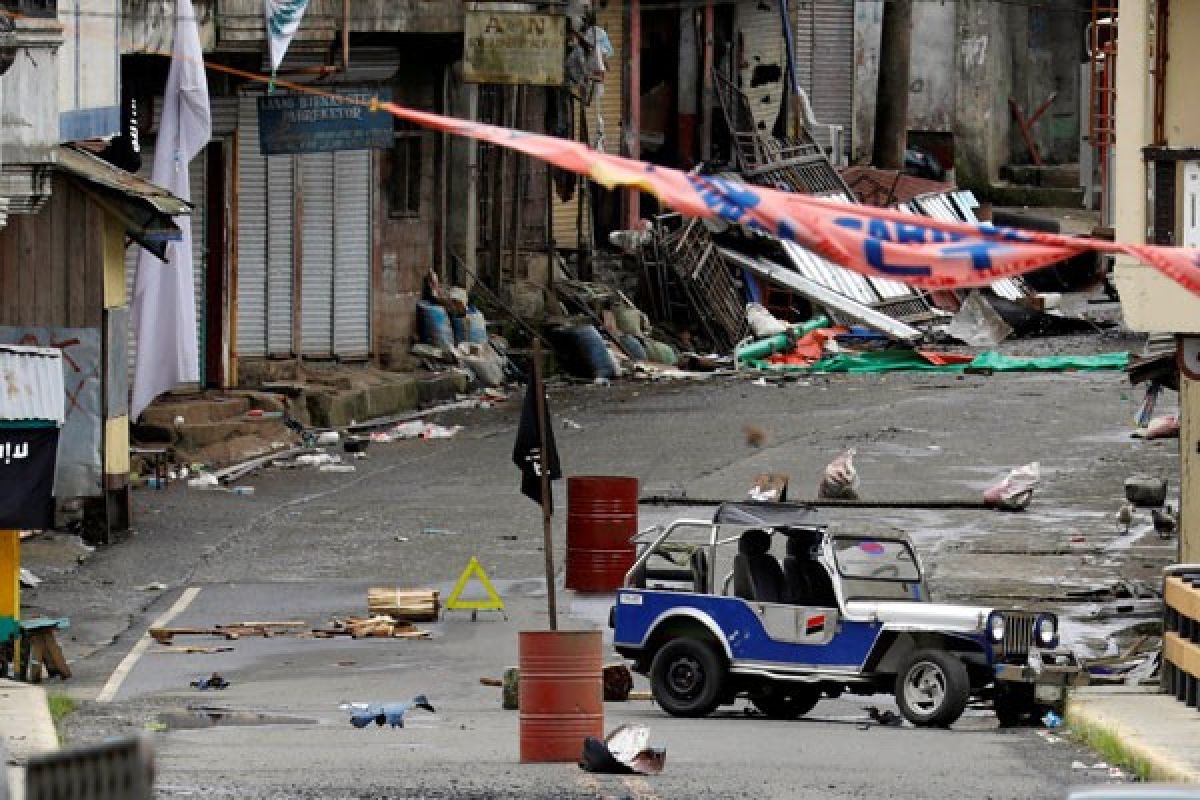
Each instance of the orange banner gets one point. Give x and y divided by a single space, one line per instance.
885 243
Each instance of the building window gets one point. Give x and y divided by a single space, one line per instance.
404 182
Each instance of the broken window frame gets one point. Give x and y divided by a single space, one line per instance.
404 177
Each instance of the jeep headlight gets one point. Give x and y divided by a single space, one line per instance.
1046 630
995 627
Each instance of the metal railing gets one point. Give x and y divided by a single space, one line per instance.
1181 632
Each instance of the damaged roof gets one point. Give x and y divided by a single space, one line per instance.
146 209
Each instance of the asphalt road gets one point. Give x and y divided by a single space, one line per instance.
306 546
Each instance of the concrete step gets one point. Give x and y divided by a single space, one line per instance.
190 438
163 412
1050 176
1008 194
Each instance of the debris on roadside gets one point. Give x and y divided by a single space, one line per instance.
769 487
234 631
390 714
1163 427
884 716
214 681
374 627
1146 491
1015 491
840 480
415 429
412 605
618 683
191 650
624 751
156 586
28 580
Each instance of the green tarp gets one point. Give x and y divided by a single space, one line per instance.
911 360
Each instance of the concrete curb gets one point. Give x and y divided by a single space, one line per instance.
1150 732
26 728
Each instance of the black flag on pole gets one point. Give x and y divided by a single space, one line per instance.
527 451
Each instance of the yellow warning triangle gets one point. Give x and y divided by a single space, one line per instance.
474 569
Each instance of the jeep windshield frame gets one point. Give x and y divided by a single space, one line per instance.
870 558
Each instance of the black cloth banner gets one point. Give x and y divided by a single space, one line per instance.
527 452
27 459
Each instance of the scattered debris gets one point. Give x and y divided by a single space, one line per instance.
1125 516
214 681
415 429
1015 491
769 487
618 683
392 714
1165 522
374 627
1165 427
413 605
230 632
495 682
1146 491
884 716
840 481
192 650
28 579
328 439
755 436
625 751
571 425
1052 720
156 586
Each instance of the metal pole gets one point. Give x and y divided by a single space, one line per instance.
891 105
514 244
547 514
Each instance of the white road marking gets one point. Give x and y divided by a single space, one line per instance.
126 666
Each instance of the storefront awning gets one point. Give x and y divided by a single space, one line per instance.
147 210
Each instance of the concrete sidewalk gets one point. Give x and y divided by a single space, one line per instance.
26 729
1154 730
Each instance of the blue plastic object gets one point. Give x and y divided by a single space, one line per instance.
476 326
434 325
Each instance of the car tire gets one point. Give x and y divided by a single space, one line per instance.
1015 705
687 677
932 689
786 701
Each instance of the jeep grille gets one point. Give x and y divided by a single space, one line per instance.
1018 635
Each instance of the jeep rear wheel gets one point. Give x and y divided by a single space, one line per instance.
686 677
786 701
932 689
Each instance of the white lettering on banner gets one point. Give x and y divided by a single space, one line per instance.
10 454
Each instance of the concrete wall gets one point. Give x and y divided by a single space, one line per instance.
29 94
89 69
967 57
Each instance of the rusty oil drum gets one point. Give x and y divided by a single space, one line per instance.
602 517
561 695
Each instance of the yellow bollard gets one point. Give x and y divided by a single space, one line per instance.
10 586
10 574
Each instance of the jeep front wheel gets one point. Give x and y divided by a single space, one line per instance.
932 689
686 678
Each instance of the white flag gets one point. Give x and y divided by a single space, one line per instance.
283 18
164 304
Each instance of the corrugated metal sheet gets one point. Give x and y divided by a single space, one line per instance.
31 384
280 234
251 235
198 177
317 264
824 34
352 253
759 29
606 115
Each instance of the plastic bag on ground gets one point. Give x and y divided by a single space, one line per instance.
1015 491
762 322
840 481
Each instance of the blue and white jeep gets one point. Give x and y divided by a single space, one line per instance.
711 614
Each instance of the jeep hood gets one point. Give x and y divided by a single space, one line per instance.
930 616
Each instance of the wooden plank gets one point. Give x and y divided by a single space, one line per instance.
1183 654
9 269
1177 594
77 291
27 286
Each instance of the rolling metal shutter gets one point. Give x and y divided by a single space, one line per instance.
251 235
280 202
352 253
317 253
824 34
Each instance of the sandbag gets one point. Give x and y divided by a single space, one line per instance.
434 326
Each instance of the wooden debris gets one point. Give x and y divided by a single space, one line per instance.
639 694
376 627
192 650
414 605
491 682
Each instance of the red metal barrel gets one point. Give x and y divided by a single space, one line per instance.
602 516
561 694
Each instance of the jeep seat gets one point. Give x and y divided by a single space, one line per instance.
807 583
756 574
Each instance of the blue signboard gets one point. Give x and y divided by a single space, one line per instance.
303 123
